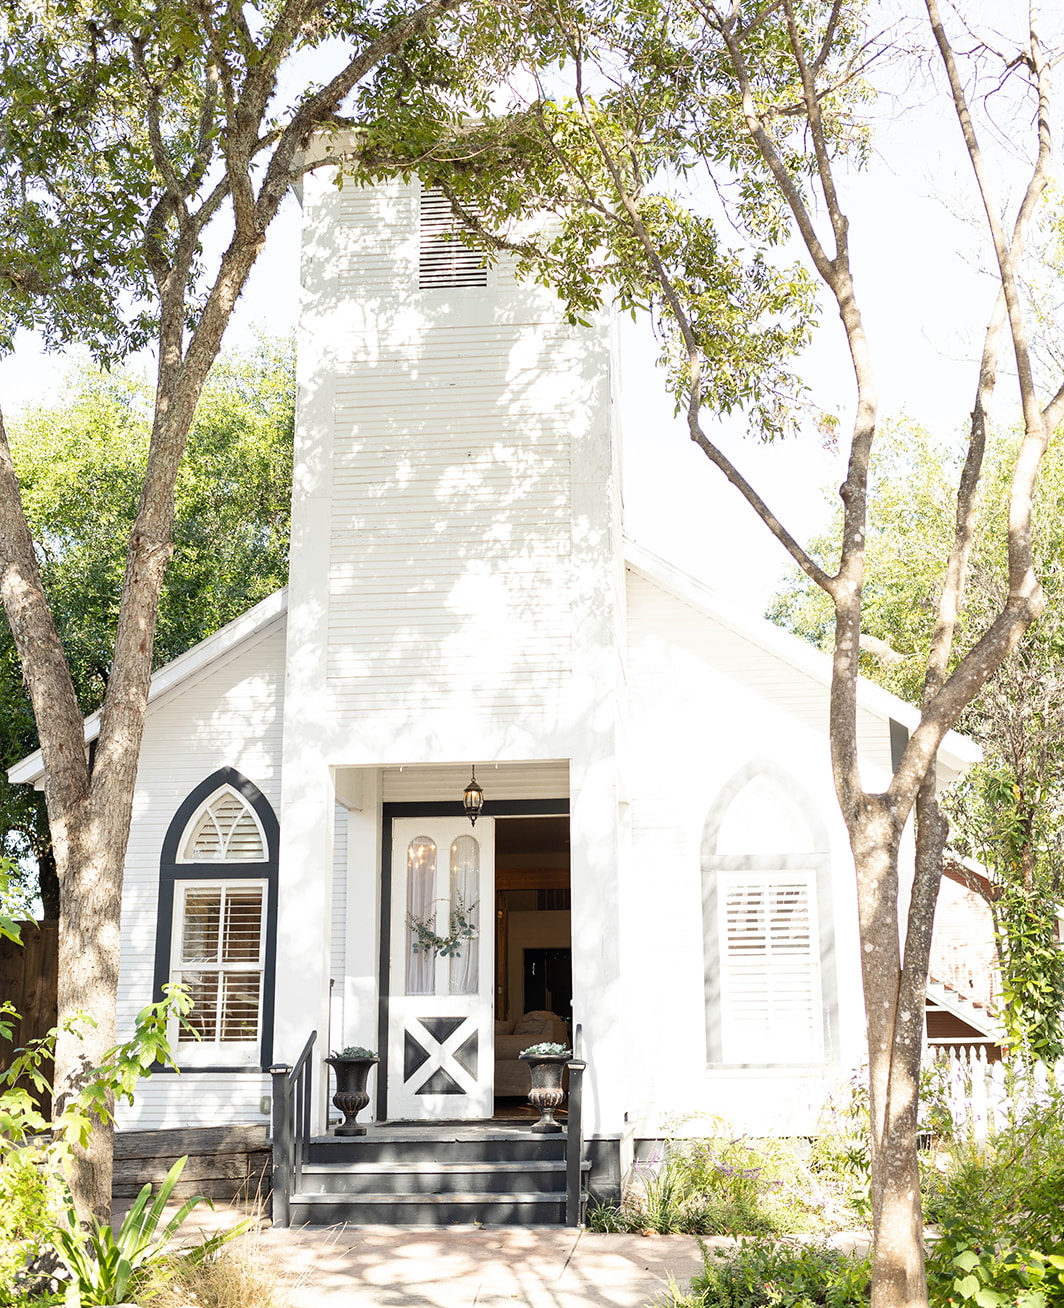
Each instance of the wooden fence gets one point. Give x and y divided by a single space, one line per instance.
983 1096
29 977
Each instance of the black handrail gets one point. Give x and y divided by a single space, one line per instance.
292 1087
574 1136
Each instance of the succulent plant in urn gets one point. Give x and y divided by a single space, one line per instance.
351 1066
546 1062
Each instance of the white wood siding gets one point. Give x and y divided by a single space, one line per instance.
449 568
453 591
229 716
703 703
338 934
167 1100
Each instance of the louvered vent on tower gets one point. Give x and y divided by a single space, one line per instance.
444 258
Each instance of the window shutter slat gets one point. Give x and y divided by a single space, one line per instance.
770 973
221 959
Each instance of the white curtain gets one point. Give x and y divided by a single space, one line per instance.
465 892
420 905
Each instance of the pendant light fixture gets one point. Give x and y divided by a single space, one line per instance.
473 799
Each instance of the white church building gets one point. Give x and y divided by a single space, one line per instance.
660 872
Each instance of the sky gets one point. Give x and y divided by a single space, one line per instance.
917 246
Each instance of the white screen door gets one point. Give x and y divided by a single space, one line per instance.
441 1063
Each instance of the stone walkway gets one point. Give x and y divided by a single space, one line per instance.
469 1266
459 1267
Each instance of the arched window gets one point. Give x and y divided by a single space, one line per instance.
224 829
767 924
217 921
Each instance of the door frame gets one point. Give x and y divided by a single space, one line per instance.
414 809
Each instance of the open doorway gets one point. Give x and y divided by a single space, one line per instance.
533 948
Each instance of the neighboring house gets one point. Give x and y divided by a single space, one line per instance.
661 861
963 980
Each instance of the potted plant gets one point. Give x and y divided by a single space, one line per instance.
547 1063
351 1066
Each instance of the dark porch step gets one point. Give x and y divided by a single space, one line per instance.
522 1209
434 1177
511 1148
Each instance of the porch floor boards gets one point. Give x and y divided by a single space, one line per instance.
396 1132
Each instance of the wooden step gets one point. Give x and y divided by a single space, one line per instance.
431 1176
490 1209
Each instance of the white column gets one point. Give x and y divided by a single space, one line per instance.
597 727
307 792
361 990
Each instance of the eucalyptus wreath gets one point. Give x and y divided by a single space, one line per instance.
463 926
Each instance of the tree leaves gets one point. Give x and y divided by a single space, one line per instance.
81 466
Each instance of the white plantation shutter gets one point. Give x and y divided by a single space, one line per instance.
219 954
225 830
444 259
769 968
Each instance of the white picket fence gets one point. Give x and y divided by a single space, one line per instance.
984 1097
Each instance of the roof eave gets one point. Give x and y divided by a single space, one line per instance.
222 642
956 753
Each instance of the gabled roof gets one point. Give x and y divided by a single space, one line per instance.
956 752
223 642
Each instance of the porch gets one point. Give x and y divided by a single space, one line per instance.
492 1172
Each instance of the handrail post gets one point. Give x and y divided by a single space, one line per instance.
280 1181
574 1144
291 1129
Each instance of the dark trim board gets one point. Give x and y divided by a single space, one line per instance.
171 871
413 809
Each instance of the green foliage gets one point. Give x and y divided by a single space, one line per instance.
355 1051
765 1274
664 111
738 1186
1032 971
462 926
35 1153
81 466
997 1206
1008 812
109 1267
1016 1279
10 902
30 1200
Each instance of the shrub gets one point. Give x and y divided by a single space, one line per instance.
766 1274
998 1209
29 1203
725 1186
235 1276
108 1267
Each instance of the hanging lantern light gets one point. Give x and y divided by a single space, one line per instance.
473 799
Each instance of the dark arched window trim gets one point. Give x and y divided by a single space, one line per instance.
171 871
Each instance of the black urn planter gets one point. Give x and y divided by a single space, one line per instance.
547 1093
351 1094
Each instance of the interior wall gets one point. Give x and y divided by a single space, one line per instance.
536 930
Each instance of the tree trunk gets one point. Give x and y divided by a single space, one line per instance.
48 880
899 1278
89 858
